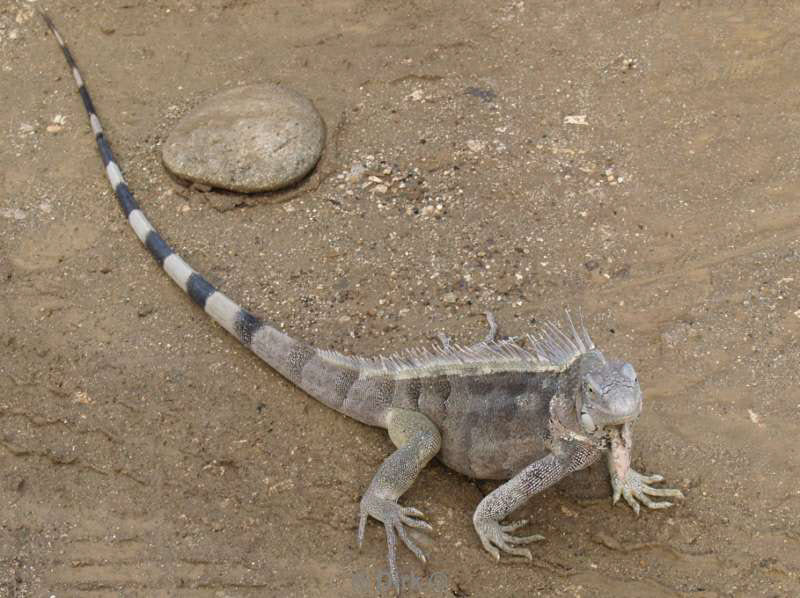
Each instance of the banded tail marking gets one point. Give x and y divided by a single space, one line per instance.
227 313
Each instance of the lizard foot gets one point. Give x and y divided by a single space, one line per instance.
635 488
495 536
491 336
395 518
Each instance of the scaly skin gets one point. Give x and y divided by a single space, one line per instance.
528 414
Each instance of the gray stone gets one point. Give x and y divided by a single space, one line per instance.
248 139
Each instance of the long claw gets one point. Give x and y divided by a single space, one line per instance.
490 549
391 542
412 512
496 537
362 525
628 496
416 523
514 526
635 489
516 551
525 539
395 520
662 492
401 531
645 500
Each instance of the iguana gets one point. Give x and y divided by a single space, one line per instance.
529 411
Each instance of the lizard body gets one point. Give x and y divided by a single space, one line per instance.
529 413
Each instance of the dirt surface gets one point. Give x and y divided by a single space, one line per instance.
144 453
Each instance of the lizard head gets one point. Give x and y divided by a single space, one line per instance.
609 395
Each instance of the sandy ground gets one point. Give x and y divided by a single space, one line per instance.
144 453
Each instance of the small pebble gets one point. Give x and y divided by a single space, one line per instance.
575 119
13 214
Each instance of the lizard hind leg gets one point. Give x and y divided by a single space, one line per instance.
417 440
491 336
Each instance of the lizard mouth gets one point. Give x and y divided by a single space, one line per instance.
606 431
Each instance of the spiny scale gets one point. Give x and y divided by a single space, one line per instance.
552 350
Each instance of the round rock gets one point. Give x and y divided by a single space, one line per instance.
248 139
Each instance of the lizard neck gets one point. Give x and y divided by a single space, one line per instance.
565 424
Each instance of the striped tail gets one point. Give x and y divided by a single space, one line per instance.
319 373
239 322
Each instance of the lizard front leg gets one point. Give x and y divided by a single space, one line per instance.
417 440
630 484
507 498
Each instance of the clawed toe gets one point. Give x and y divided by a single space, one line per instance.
651 479
496 537
410 544
636 491
514 526
395 519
